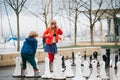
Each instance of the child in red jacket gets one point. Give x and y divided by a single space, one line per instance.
51 36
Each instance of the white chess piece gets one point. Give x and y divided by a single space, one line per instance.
78 72
118 71
30 70
57 68
102 71
68 72
17 71
112 71
86 69
94 74
47 73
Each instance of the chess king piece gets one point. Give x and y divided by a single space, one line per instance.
47 74
68 72
103 75
78 72
17 70
57 68
86 69
94 74
112 70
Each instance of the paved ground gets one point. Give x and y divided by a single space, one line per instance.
6 72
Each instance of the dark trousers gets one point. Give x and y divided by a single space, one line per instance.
30 58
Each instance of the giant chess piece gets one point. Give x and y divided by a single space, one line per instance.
47 73
73 59
116 60
78 72
118 71
30 71
104 57
90 61
95 54
112 70
68 72
95 57
103 75
86 69
119 54
108 57
57 68
63 62
85 55
94 74
17 70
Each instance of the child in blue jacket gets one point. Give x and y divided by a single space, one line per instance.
28 52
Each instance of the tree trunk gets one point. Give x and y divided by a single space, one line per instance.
18 33
91 35
115 30
75 33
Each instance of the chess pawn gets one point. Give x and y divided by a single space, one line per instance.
102 71
17 71
94 74
68 72
47 73
78 72
86 70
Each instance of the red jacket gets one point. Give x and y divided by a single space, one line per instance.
49 36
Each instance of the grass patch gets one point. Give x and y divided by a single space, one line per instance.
111 46
103 46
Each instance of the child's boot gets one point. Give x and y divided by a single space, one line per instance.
36 73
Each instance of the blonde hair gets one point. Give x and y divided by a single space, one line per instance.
33 34
53 22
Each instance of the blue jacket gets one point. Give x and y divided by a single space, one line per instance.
29 46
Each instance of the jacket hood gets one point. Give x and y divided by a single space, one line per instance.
30 40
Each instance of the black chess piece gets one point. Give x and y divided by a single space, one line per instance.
119 54
95 54
116 60
63 62
73 59
108 56
90 61
84 55
104 57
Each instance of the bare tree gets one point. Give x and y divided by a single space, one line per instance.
93 14
113 10
17 6
74 11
